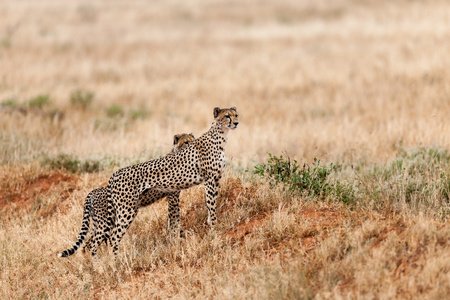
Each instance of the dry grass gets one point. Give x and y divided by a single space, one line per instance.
350 82
339 81
269 244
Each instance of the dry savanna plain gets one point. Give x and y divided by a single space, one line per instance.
337 181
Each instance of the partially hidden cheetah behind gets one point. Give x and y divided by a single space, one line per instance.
202 161
95 205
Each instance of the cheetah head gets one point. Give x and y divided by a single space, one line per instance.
182 140
226 117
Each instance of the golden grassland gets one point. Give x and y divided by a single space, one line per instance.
90 86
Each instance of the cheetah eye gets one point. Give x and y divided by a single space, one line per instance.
228 117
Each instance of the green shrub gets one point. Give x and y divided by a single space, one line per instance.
141 113
6 43
115 111
311 179
11 103
72 164
39 101
81 99
343 191
110 124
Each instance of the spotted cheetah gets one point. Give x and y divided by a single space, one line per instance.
202 161
95 205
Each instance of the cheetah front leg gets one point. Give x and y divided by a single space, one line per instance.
173 201
211 188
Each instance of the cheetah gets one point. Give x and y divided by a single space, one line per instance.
95 205
201 162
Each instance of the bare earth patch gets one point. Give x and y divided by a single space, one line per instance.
246 227
21 193
323 219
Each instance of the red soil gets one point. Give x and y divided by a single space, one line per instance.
21 195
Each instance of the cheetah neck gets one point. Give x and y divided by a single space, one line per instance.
219 134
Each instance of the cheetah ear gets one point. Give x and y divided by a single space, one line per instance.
176 137
216 112
233 108
191 134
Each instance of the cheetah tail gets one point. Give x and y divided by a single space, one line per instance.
84 226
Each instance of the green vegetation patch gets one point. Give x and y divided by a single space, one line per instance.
81 99
139 114
39 101
10 103
115 111
417 180
309 179
72 164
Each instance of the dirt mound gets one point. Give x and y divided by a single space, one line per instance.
246 227
320 220
23 192
323 217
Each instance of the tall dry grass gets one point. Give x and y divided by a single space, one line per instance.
350 82
268 244
340 80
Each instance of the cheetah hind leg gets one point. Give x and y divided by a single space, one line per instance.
90 241
100 233
173 201
123 222
87 245
98 225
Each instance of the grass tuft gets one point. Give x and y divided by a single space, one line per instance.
81 99
10 103
39 102
72 164
141 113
115 111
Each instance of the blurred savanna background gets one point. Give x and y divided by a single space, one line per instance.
354 95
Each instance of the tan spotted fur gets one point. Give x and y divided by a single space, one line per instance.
201 162
96 208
